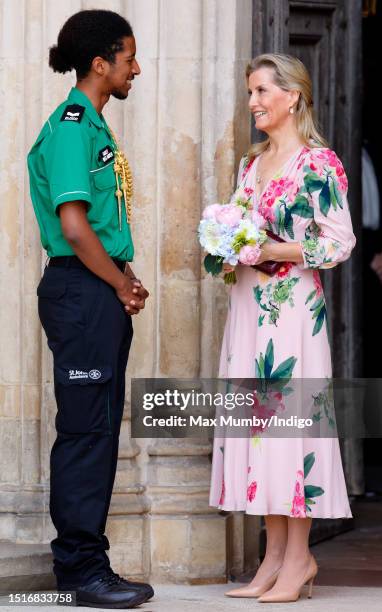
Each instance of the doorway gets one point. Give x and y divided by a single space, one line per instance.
372 234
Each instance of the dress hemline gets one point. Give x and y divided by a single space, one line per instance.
278 512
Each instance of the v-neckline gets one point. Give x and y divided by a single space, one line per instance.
295 154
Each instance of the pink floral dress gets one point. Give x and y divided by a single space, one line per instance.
277 326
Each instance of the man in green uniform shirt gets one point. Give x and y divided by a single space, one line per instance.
80 186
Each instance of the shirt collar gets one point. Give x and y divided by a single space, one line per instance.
78 97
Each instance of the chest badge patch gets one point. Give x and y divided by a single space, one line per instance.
73 112
106 154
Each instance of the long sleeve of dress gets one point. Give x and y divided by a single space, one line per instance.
329 238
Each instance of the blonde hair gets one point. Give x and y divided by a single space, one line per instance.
290 73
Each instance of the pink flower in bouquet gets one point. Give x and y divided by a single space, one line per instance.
229 215
298 504
251 491
249 255
210 211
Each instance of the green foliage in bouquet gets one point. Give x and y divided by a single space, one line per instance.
213 264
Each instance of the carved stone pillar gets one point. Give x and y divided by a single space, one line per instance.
202 133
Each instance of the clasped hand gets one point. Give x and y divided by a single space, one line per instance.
133 295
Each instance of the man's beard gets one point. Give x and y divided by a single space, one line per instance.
119 95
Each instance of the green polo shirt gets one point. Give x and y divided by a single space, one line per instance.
73 159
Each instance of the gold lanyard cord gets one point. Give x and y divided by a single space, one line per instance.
124 182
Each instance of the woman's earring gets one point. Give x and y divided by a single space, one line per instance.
291 110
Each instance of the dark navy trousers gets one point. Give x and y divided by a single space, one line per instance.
89 334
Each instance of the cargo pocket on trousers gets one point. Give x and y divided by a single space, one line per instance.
83 399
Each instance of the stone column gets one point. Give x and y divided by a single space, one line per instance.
202 52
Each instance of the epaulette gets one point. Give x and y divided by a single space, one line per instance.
73 112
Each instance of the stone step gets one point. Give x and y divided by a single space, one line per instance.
25 567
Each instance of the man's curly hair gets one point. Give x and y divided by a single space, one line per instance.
86 35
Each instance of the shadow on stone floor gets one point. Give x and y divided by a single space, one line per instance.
354 558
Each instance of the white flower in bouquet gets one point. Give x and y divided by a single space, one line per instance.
211 236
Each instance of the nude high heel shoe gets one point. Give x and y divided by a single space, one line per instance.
285 596
256 591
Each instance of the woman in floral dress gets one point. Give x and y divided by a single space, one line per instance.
276 325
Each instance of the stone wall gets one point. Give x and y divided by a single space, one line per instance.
184 128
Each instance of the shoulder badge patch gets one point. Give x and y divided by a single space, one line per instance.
73 112
105 154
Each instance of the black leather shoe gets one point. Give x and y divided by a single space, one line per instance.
138 586
109 592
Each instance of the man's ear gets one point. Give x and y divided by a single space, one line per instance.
100 66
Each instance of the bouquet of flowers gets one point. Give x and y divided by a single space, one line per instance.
231 233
